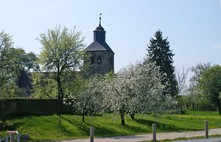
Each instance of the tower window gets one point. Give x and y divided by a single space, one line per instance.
99 60
92 60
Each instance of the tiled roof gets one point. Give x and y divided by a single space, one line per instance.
97 46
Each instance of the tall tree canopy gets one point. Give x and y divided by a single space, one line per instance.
160 53
13 62
62 51
211 85
196 98
7 72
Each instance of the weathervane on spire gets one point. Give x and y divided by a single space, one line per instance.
100 18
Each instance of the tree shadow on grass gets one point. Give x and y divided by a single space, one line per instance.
83 128
106 131
99 130
161 127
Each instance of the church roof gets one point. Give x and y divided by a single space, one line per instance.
99 43
97 46
99 28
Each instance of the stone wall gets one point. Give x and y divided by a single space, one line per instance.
29 106
101 62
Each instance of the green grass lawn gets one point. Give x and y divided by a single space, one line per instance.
70 126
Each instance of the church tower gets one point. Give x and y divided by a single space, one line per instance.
101 56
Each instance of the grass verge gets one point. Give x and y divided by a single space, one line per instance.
71 127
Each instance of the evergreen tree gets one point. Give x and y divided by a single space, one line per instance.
160 53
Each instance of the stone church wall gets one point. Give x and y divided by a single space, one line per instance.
101 62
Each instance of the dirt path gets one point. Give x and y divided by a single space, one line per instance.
160 136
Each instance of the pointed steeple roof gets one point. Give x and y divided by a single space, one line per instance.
100 28
99 43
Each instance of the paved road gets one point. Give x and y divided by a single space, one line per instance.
160 136
202 140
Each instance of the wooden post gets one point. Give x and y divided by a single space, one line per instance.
91 134
207 129
154 132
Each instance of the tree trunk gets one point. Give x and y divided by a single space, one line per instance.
193 106
187 106
181 109
60 95
219 108
122 120
83 115
132 116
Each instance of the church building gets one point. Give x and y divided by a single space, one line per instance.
101 59
101 55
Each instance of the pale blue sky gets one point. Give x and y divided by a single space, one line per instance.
193 27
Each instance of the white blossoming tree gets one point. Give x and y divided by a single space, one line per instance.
88 99
136 89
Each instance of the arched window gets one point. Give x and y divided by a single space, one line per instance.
99 60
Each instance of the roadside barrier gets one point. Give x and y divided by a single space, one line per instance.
154 128
155 136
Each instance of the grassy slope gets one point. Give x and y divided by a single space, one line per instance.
70 126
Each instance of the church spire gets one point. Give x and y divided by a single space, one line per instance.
101 55
100 19
99 33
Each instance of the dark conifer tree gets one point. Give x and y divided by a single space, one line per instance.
160 53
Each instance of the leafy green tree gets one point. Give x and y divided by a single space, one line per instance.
197 72
62 50
211 85
196 98
6 72
182 102
22 63
13 62
9 71
25 61
160 53
44 86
